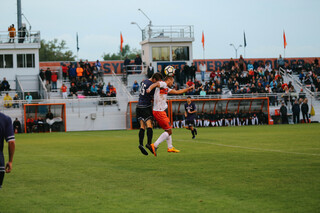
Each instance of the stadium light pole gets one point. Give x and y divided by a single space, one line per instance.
138 27
236 49
150 23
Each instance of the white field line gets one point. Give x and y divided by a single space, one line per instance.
215 144
250 148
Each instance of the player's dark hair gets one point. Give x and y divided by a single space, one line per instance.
189 97
157 76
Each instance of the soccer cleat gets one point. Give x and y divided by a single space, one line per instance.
149 147
193 137
173 150
143 150
154 149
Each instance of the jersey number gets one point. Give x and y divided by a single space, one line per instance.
142 89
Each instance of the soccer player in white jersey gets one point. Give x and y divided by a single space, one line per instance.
159 107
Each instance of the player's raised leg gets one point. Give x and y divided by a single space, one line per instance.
164 122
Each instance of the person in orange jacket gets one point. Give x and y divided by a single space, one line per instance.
113 91
12 33
79 71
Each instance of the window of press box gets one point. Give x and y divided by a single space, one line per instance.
180 53
6 61
160 54
25 60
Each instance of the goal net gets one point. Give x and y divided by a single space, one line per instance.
45 117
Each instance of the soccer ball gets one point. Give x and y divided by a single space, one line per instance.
169 71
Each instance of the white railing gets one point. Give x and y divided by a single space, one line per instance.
298 83
121 85
20 37
42 89
171 31
279 96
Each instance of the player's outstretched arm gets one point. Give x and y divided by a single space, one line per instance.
11 149
194 111
154 85
181 91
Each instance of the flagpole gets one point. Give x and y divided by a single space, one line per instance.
244 44
77 47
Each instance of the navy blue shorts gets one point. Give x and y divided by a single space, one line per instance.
144 114
190 122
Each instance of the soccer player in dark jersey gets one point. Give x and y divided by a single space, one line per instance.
190 115
6 133
144 111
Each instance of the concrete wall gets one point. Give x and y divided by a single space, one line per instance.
10 73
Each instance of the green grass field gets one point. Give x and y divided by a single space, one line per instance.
235 169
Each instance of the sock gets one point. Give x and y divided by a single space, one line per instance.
141 136
149 135
169 142
192 131
161 138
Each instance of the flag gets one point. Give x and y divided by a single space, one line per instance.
202 40
244 39
121 41
312 112
77 43
284 40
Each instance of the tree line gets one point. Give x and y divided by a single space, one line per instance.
56 50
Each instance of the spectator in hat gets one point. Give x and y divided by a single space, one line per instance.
135 86
15 98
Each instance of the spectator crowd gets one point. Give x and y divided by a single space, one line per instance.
86 79
236 77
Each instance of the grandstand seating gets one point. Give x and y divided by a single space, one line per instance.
114 116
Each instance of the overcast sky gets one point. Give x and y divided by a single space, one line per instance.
99 23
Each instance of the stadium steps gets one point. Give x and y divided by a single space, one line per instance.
132 78
312 100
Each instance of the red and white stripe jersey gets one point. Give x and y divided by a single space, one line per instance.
160 97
